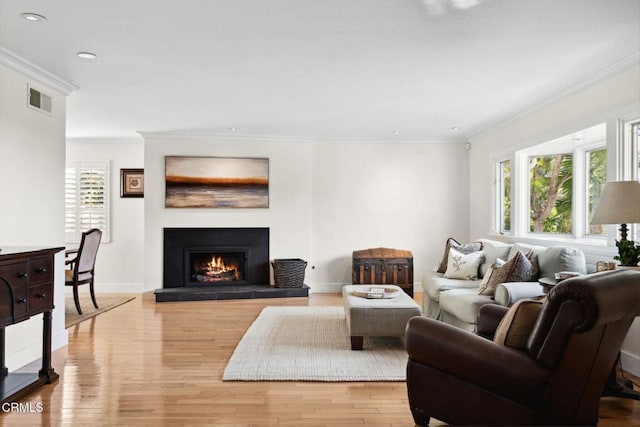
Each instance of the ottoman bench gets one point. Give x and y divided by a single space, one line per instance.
384 317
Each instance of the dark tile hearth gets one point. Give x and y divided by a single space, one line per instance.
226 292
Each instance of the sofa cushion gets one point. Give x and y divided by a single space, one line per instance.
463 266
433 284
524 249
464 303
491 254
464 248
561 258
515 327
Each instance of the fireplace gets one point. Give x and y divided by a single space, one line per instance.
218 263
209 257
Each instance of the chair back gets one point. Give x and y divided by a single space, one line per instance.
88 251
578 336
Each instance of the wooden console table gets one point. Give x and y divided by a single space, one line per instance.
26 289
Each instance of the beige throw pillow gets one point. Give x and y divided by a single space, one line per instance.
463 266
516 326
465 248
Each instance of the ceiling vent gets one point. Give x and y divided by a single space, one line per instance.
39 100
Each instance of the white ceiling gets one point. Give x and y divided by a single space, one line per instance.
324 69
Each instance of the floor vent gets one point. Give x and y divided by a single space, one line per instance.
40 101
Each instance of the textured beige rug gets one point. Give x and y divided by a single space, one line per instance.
105 303
312 344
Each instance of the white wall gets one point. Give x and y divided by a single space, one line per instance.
605 101
410 196
326 200
120 262
32 194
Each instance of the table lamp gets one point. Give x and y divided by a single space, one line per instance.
620 204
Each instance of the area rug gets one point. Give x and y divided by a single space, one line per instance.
105 302
312 344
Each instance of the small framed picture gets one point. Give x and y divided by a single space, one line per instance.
131 182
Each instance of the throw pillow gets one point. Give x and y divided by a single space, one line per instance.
516 326
487 276
535 266
463 266
517 269
491 254
523 269
464 248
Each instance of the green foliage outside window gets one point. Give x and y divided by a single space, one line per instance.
550 193
505 181
596 178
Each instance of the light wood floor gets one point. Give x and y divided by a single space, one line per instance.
148 364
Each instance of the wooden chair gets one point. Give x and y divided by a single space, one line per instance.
82 266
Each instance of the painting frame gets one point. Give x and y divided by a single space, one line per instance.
131 182
214 182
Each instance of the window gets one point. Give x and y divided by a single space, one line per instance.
551 193
550 190
86 199
504 196
596 176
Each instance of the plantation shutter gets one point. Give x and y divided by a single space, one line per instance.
86 199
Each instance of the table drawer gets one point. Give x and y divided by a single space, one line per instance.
40 270
16 274
40 298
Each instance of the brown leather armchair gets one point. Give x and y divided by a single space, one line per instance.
463 378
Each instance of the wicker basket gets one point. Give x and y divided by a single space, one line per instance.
288 272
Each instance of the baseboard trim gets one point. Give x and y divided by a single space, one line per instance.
630 362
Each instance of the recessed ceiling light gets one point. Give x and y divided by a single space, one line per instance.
87 55
233 129
395 132
33 17
455 128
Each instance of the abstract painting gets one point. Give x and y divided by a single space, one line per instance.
216 182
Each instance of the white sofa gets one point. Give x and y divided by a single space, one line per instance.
457 301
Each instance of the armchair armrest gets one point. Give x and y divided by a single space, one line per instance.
508 293
475 360
489 317
68 253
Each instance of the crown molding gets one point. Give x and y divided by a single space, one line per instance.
227 137
31 70
610 70
224 137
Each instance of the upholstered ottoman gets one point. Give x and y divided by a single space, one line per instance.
384 317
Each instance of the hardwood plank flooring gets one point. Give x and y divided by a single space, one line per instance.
148 364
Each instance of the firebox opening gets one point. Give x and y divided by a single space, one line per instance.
214 267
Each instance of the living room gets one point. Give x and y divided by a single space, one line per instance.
328 194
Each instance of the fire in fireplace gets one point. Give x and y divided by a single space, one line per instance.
217 267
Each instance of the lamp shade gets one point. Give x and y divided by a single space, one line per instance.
619 203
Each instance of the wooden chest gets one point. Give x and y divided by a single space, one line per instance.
383 266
